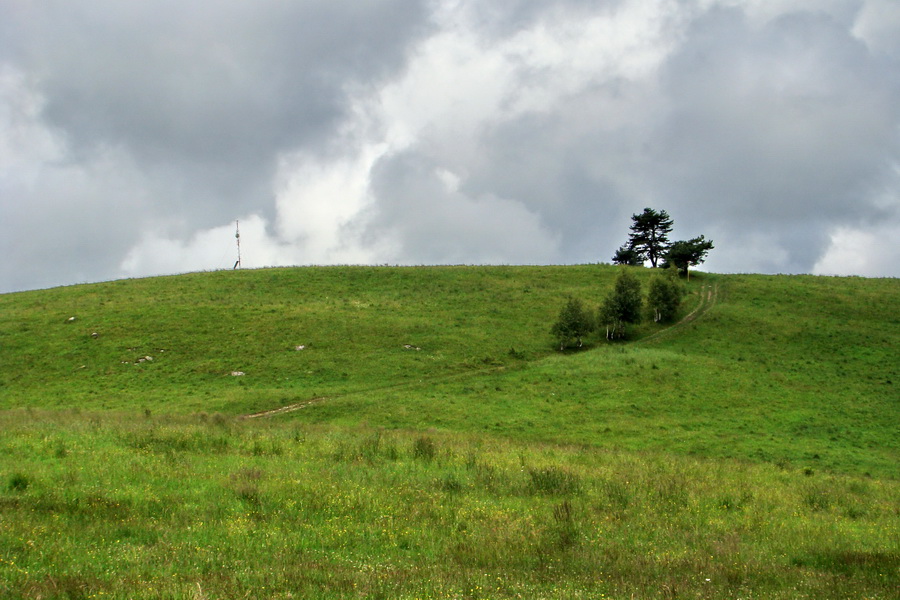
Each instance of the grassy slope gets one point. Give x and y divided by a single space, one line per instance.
198 328
691 464
114 507
783 369
798 370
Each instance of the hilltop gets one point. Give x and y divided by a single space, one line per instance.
379 432
782 368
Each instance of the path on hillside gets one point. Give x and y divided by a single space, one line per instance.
381 388
706 299
709 293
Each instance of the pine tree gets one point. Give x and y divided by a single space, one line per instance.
650 235
627 256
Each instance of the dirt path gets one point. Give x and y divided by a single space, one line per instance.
283 409
709 293
707 298
395 386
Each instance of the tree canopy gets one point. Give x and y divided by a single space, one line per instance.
626 255
622 305
574 323
649 238
688 253
664 295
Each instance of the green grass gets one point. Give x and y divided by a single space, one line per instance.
199 328
187 507
444 448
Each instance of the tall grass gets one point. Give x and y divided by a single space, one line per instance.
186 507
797 370
437 444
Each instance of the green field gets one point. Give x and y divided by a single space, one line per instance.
437 446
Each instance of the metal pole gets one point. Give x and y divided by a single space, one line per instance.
237 236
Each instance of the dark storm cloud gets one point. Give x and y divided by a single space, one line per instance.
61 232
433 222
770 132
413 131
506 17
215 83
200 98
784 128
208 93
554 164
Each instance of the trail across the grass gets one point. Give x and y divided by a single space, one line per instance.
707 298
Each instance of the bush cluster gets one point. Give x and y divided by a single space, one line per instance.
623 305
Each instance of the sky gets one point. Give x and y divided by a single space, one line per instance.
134 135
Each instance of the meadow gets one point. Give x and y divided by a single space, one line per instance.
439 446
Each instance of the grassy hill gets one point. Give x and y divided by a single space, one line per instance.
438 445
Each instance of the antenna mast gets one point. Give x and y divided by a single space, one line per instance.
237 237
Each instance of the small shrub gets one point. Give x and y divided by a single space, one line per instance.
621 306
248 475
488 477
424 448
733 503
451 484
245 484
516 354
19 482
370 447
565 529
817 499
248 492
390 452
617 495
266 447
60 451
553 481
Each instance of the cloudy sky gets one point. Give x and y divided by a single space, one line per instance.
134 134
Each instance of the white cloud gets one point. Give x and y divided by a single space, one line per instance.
26 143
459 86
867 252
444 131
207 250
318 202
458 82
878 24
